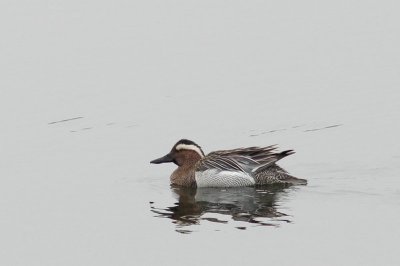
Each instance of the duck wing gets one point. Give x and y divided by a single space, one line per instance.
218 162
252 152
245 160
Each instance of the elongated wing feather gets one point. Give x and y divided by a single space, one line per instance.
223 163
246 160
250 151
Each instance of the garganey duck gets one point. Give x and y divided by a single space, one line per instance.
240 167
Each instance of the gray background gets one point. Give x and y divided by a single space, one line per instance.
226 74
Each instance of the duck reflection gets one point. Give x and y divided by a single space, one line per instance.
253 205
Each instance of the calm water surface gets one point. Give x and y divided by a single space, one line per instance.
255 206
91 92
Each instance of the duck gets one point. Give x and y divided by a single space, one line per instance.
241 167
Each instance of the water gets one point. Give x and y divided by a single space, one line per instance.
244 207
91 92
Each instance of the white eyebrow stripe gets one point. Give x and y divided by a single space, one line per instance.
189 147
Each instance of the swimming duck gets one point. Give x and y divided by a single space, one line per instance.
227 168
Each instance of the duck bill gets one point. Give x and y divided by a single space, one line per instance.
165 159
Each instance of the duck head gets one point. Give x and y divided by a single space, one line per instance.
183 152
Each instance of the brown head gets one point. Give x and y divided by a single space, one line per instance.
184 152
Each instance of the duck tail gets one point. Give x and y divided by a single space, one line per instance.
294 180
284 154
